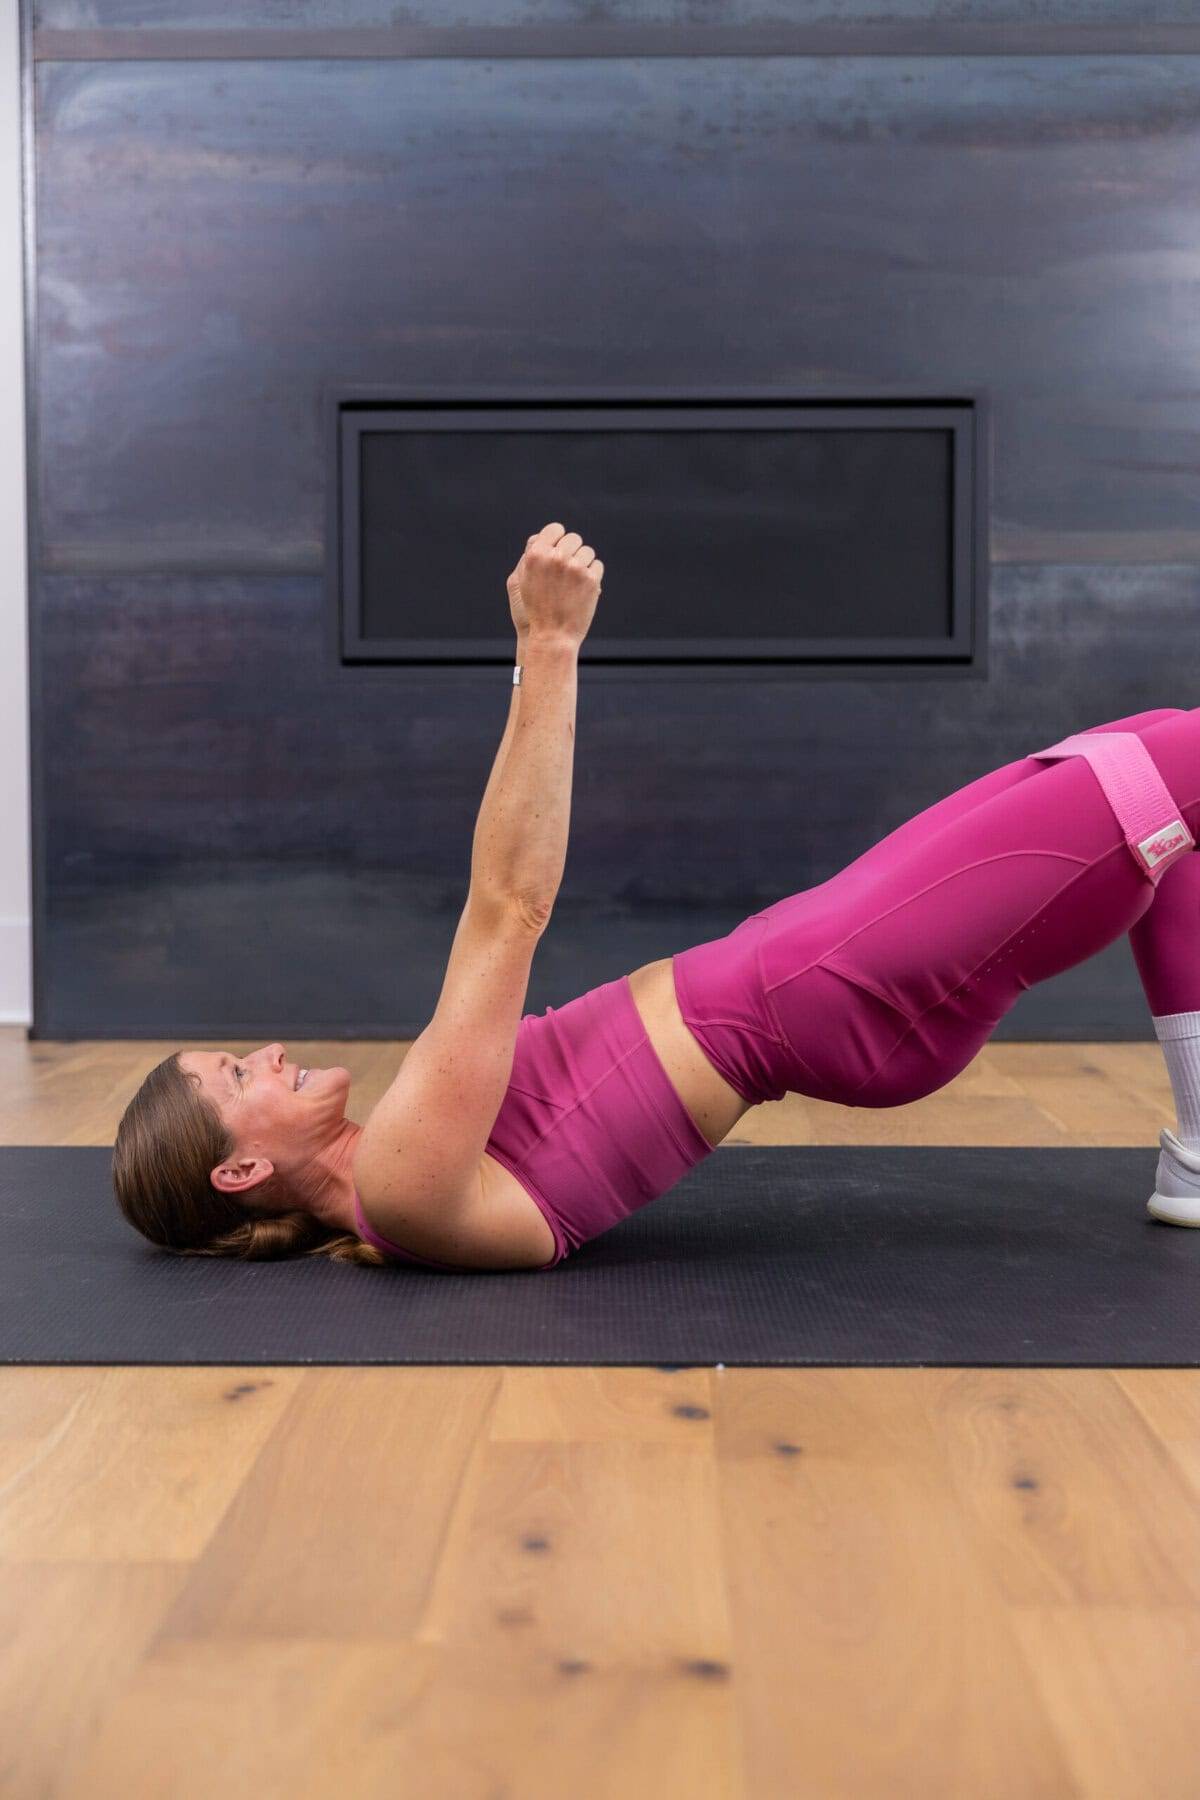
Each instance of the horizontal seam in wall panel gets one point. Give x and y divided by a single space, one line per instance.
591 42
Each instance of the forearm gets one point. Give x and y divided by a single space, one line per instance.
520 845
506 740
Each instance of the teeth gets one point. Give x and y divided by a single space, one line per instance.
301 1079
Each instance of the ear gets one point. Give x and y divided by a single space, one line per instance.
241 1176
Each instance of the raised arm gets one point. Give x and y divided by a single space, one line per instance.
418 1163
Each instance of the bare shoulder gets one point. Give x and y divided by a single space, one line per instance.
421 1158
491 1224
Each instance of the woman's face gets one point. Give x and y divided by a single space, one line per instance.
265 1112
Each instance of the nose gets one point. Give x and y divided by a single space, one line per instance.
274 1054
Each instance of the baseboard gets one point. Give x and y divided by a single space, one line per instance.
16 996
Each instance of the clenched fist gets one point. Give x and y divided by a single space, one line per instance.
554 588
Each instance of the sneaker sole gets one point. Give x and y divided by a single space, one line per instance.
1173 1211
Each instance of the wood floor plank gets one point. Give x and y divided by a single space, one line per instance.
1169 1402
73 1637
1070 1494
143 1464
341 1524
1120 1685
549 1404
875 1654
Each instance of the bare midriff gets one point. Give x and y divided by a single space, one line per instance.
713 1105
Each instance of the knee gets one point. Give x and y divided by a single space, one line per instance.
1137 721
1162 712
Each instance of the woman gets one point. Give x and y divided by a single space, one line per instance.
508 1141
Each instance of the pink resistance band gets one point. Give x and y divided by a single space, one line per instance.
1146 811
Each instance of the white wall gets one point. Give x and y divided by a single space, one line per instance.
16 1006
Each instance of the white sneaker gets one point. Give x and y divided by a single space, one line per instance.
1176 1196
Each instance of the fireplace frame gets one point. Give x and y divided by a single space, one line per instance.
351 409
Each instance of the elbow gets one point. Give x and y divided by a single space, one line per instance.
534 910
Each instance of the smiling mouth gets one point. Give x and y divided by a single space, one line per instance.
300 1079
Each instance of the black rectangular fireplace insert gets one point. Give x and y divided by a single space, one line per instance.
739 534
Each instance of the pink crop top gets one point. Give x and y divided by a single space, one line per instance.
590 1125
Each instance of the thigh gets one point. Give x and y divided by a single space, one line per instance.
910 985
889 979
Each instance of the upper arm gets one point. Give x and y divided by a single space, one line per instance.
418 1163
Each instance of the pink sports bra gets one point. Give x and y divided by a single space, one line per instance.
591 1125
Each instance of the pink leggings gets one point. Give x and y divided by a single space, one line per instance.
880 985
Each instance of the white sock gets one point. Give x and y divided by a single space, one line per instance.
1179 1035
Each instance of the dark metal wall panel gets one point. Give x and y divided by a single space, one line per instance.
502 28
230 851
217 240
237 839
584 15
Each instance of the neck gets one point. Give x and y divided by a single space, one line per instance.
329 1180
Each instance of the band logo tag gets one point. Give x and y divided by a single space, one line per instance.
1164 843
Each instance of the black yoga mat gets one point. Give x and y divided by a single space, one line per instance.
767 1256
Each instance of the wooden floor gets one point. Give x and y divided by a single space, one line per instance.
612 1583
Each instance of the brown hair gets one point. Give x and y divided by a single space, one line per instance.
169 1140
